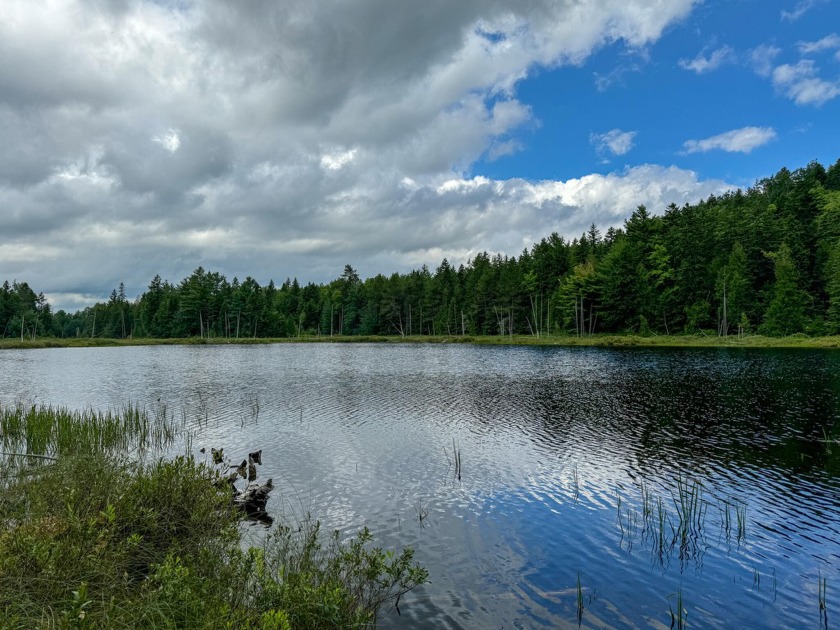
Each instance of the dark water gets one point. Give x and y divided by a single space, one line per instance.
567 456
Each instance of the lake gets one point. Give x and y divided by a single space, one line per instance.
623 480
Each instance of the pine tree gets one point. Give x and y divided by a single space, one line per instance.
786 313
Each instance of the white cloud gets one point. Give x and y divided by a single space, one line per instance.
335 161
701 64
604 81
169 141
829 42
801 8
276 139
762 58
743 140
615 141
800 83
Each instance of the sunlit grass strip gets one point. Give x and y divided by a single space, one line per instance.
596 340
56 431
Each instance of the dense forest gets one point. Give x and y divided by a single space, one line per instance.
765 260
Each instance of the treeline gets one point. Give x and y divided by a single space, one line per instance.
763 260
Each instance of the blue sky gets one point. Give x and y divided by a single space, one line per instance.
287 138
655 94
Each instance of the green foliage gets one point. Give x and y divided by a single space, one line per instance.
90 540
833 289
328 584
44 430
786 313
672 266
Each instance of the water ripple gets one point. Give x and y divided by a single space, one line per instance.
566 456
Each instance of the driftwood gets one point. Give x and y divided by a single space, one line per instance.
254 497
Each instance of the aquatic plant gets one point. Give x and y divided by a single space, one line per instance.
690 507
456 459
679 617
29 430
579 601
821 596
684 527
92 539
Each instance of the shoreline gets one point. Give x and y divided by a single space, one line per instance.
592 341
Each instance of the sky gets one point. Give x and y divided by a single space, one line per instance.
287 138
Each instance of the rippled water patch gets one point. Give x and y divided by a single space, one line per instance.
567 458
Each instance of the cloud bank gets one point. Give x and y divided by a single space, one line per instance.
277 139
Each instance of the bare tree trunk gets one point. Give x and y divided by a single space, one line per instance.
582 318
534 332
549 317
399 328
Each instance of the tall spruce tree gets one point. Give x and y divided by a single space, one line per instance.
786 313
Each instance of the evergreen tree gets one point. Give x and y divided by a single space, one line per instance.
786 312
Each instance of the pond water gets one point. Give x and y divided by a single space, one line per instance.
635 477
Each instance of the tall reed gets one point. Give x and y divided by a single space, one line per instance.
44 430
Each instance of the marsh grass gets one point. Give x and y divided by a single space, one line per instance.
680 525
92 538
56 431
822 586
679 617
579 601
455 461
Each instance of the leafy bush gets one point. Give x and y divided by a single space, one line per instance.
90 541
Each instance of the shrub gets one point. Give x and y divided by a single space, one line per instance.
94 541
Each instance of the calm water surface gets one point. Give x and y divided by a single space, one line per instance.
573 464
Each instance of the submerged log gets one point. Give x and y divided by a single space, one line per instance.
255 496
253 499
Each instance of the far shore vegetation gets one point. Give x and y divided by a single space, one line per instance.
729 270
700 340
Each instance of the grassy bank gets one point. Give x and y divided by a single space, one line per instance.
90 538
605 340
